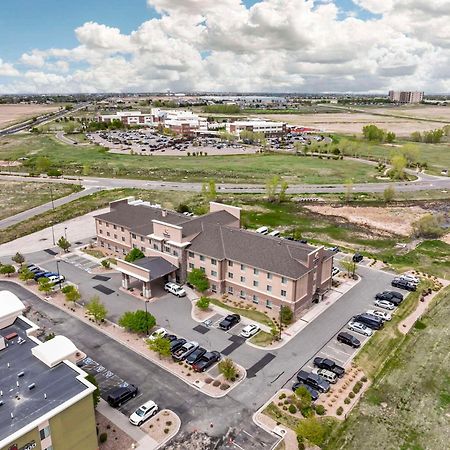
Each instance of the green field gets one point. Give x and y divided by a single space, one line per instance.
97 161
408 405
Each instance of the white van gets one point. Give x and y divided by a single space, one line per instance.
274 233
262 230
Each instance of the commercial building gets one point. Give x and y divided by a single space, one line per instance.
45 401
128 118
269 128
406 96
264 271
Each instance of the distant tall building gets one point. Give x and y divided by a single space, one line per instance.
405 96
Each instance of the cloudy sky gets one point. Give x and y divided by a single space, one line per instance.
63 46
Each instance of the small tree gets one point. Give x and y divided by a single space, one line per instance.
72 293
312 430
106 264
303 397
228 369
390 136
160 345
63 243
18 258
398 163
271 188
198 279
96 393
389 194
349 265
137 321
25 274
286 314
283 188
429 226
96 309
7 269
133 255
45 285
203 303
348 190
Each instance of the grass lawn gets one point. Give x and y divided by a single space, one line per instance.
263 339
95 253
233 168
18 196
408 405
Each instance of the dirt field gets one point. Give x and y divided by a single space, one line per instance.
389 219
11 114
352 123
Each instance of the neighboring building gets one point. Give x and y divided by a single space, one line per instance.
265 271
406 96
45 400
269 128
128 118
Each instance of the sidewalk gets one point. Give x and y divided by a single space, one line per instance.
121 421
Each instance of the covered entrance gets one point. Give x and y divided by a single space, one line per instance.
146 269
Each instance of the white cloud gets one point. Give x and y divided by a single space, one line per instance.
275 45
7 70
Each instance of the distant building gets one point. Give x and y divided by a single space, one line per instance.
269 128
45 401
406 96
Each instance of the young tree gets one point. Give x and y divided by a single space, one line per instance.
390 136
42 164
45 285
389 194
373 133
349 265
160 345
72 293
137 321
430 226
198 279
312 430
283 188
348 190
398 163
271 188
303 396
203 303
96 309
64 244
18 258
7 269
228 369
416 136
411 152
133 255
212 192
286 314
96 393
25 274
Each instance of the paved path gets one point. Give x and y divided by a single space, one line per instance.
9 221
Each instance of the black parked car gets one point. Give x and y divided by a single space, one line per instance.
403 284
206 361
230 321
349 339
396 294
176 344
313 380
195 355
357 257
391 296
384 296
118 396
314 394
329 364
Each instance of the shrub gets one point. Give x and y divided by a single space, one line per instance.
106 264
339 411
419 325
168 423
198 279
283 395
166 430
286 315
292 409
357 387
224 386
228 369
137 321
208 380
216 383
351 395
347 401
320 410
203 303
364 379
103 438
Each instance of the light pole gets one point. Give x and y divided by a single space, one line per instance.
146 317
53 232
65 233
59 275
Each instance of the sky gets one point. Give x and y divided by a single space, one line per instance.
62 46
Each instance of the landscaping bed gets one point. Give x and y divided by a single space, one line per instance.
116 439
162 427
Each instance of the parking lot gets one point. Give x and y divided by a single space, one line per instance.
80 261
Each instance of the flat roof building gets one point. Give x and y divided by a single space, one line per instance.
406 96
268 127
45 400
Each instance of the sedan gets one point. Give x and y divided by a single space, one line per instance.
384 296
206 361
381 314
143 413
160 332
195 355
249 331
384 304
360 328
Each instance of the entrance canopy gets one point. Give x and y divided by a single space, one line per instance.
146 269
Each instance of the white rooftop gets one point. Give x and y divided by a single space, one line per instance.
55 350
10 308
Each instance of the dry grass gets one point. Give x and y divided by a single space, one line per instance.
11 114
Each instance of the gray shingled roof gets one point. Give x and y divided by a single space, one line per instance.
157 265
263 252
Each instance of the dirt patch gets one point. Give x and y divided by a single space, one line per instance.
391 219
117 439
163 426
11 114
10 163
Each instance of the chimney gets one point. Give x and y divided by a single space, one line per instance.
164 213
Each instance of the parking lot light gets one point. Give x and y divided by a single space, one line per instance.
146 317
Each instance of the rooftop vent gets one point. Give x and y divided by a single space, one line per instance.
32 386
20 374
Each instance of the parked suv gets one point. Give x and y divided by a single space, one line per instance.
230 321
326 375
346 338
357 257
118 396
143 413
314 394
174 289
313 380
372 322
403 284
329 364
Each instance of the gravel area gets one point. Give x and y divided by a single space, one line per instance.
117 439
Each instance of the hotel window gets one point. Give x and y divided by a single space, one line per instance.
114 227
133 235
107 233
100 222
155 246
202 269
315 276
107 225
230 263
214 262
268 304
269 276
255 283
230 289
230 274
213 288
191 254
255 299
102 244
269 288
109 246
142 239
255 271
142 249
242 267
121 229
123 238
167 249
242 294
175 253
115 236
242 279
284 280
283 293
191 266
45 433
49 448
213 273
100 231
202 258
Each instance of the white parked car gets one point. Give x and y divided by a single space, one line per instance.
410 278
249 331
175 289
160 332
384 304
360 328
335 271
381 314
143 413
55 279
